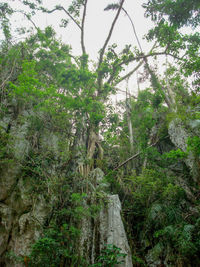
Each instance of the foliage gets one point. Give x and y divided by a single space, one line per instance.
194 145
56 246
179 13
59 242
176 154
49 91
159 210
110 256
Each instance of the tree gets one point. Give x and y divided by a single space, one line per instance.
71 95
179 13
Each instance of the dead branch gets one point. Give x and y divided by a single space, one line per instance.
137 154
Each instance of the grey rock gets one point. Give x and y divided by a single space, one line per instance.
112 229
8 179
179 135
194 124
106 229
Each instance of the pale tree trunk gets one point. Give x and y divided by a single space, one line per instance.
86 145
130 127
128 114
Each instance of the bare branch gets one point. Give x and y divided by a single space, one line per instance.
68 14
130 73
137 154
110 34
134 30
122 91
29 18
82 27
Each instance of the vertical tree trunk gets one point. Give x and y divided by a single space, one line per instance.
128 114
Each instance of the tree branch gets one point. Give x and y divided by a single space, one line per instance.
110 34
136 155
75 59
82 27
102 51
29 18
134 30
149 55
144 58
130 73
68 14
122 91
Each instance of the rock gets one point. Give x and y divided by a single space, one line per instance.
22 213
28 228
194 124
179 136
112 229
8 179
24 210
5 226
106 229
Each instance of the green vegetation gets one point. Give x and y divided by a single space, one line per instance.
58 124
110 256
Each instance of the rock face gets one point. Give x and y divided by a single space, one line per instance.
179 135
24 209
107 228
21 221
112 229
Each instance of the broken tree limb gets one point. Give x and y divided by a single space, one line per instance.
137 154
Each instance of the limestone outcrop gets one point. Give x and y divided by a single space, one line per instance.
179 135
107 228
24 208
112 229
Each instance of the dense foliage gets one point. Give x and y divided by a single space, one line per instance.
47 88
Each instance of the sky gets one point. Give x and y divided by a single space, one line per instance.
97 26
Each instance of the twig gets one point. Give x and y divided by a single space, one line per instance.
62 8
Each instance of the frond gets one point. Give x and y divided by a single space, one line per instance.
111 7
